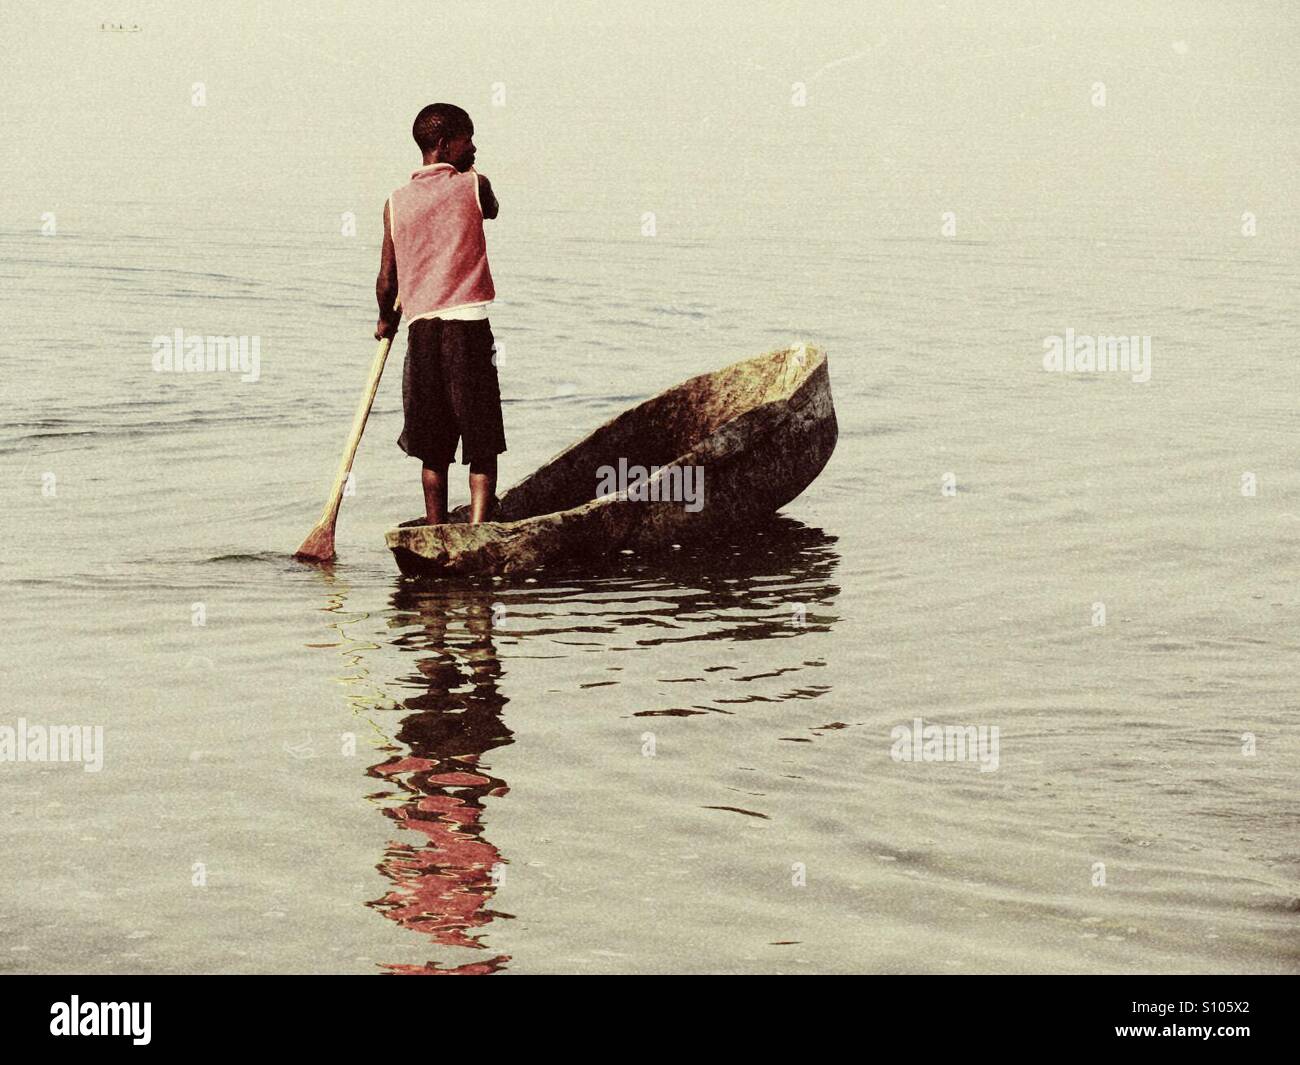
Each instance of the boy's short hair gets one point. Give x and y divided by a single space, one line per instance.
438 123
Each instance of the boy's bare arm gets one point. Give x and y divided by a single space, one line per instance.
386 285
487 198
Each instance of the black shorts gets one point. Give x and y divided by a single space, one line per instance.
450 393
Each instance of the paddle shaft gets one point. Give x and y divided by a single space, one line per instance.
330 514
319 545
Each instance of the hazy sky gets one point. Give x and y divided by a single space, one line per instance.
966 102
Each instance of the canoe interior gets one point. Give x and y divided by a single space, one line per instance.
659 430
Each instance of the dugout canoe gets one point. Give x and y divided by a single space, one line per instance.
752 436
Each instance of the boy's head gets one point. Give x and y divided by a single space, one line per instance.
445 135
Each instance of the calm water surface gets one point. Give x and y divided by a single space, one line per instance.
681 763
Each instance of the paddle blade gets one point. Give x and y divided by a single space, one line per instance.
319 545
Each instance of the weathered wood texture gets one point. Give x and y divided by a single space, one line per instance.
761 429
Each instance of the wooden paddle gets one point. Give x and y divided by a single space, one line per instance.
319 545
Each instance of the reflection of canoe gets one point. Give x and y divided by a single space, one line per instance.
753 435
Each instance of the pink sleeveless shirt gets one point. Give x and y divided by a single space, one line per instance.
437 226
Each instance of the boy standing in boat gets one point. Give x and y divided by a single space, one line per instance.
435 256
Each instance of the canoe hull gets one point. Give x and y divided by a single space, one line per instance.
749 462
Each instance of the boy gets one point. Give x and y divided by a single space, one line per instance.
435 251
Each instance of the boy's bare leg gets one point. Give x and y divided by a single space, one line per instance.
435 494
482 488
